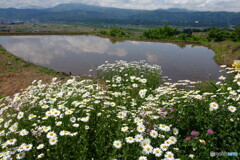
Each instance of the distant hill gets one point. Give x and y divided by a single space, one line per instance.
78 6
32 7
77 12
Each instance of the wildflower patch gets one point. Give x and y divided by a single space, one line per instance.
136 117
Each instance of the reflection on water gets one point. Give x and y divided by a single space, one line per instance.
78 54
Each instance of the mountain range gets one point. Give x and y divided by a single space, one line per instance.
82 13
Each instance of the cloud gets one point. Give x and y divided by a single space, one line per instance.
202 5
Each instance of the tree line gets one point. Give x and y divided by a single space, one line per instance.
171 33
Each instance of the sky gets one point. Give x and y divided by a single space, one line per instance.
201 5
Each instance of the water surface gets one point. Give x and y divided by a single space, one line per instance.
79 54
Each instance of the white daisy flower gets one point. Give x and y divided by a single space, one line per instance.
53 141
121 115
14 127
20 115
153 133
73 134
129 139
147 149
141 128
12 150
85 119
175 131
142 93
213 106
157 152
23 132
40 146
173 139
232 108
118 79
20 155
191 156
163 147
11 141
143 81
145 142
45 106
31 116
73 119
87 127
134 85
64 132
28 147
168 142
40 156
21 147
2 132
142 158
138 138
222 78
59 123
51 135
68 112
117 144
169 155
46 128
199 97
164 127
76 125
55 113
124 129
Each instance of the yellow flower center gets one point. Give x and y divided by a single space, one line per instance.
169 156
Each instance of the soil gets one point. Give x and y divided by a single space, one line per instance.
14 82
16 75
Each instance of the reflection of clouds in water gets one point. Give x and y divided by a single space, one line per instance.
31 52
42 49
86 44
153 58
120 52
78 54
135 42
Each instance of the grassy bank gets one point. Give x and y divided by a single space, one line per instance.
16 74
225 52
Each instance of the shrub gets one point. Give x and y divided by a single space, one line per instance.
164 32
218 35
